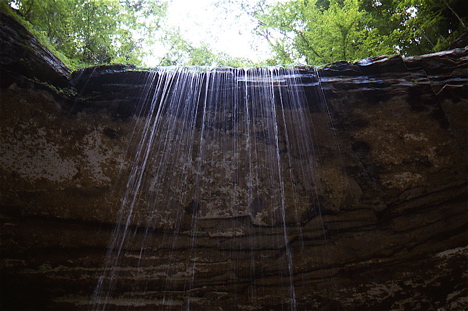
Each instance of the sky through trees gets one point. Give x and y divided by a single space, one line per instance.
241 32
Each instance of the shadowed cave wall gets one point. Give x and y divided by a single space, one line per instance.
391 193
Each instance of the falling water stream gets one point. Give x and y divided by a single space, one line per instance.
211 145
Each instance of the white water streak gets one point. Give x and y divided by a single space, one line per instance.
211 144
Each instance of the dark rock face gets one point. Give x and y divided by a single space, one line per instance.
391 177
21 55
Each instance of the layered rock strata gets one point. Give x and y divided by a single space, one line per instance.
389 232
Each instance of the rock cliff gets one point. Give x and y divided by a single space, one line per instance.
389 231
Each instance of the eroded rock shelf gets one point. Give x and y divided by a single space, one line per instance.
391 177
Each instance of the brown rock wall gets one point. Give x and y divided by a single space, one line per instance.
389 232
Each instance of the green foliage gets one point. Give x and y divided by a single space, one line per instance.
315 32
181 52
68 92
91 32
4 6
323 31
429 25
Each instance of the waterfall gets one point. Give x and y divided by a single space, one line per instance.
216 154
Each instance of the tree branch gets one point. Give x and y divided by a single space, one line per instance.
456 15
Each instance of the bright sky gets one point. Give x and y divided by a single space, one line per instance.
200 21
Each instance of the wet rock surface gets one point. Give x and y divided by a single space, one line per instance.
389 233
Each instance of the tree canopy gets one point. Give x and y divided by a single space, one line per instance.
323 31
181 52
90 32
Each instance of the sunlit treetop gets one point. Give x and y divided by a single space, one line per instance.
324 31
91 32
315 32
